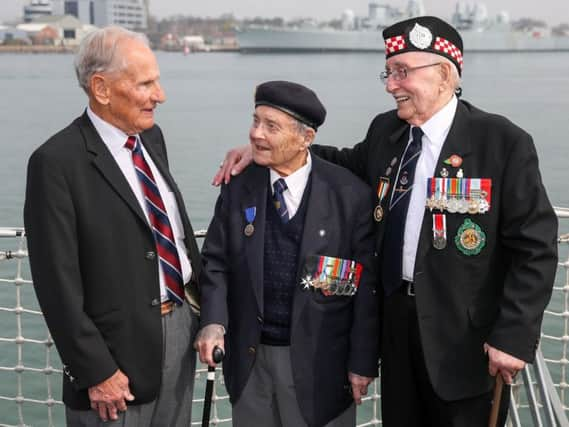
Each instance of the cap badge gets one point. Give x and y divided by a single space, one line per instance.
420 37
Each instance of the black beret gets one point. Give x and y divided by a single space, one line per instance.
294 99
424 34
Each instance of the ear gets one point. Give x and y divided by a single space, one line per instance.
446 72
100 89
309 136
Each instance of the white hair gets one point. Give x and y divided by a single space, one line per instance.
97 53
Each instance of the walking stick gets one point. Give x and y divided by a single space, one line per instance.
217 356
493 422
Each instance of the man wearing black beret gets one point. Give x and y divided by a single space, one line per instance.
288 287
465 233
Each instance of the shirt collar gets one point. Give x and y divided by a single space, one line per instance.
296 181
437 127
113 137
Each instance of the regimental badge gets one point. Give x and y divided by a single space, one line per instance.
420 37
332 276
470 239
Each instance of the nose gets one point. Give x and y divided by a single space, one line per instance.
391 84
255 132
158 94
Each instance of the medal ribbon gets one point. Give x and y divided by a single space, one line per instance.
250 214
439 226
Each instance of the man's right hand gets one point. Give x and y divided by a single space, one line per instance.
110 396
208 338
235 161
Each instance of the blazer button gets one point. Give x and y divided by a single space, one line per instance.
252 350
260 319
155 302
150 255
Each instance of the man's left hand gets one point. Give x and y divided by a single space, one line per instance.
359 386
503 363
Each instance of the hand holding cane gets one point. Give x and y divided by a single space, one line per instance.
217 356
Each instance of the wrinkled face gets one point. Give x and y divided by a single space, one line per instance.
135 91
276 141
420 95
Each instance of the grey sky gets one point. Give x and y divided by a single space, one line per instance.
552 11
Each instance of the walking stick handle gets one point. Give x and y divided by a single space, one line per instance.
493 422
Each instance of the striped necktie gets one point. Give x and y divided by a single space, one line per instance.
163 235
392 265
278 199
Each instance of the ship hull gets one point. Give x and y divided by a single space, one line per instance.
291 40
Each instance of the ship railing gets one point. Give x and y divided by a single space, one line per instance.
31 372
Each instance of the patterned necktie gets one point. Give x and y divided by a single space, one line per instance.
163 235
395 227
278 199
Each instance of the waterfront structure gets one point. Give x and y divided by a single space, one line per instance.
479 32
37 8
130 14
56 30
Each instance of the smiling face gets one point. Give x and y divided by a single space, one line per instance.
127 98
424 91
277 141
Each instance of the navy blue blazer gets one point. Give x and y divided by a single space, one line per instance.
330 335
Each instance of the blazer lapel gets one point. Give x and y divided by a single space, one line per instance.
458 142
256 196
103 160
315 233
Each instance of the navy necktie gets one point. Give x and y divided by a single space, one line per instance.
392 255
278 199
163 234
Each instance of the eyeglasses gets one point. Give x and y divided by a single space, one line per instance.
401 73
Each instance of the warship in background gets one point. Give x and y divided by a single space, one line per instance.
480 33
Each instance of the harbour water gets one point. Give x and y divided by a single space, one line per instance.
209 109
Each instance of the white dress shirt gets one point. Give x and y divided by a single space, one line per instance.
115 140
296 183
435 132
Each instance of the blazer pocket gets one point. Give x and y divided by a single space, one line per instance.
482 316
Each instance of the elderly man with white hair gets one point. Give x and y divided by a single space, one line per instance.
111 246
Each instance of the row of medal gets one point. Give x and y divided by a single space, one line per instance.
459 195
333 276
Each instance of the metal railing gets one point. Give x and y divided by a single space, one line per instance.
30 369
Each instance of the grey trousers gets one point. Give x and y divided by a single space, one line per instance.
173 407
269 398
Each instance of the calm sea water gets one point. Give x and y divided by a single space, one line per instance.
209 109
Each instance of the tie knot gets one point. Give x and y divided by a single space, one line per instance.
280 186
131 143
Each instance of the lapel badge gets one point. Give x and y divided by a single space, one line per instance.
460 173
455 161
444 172
321 233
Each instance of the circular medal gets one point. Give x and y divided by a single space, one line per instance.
483 206
249 230
473 206
378 213
452 205
462 206
333 288
439 242
470 239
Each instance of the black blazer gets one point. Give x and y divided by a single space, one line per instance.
93 261
329 335
497 296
